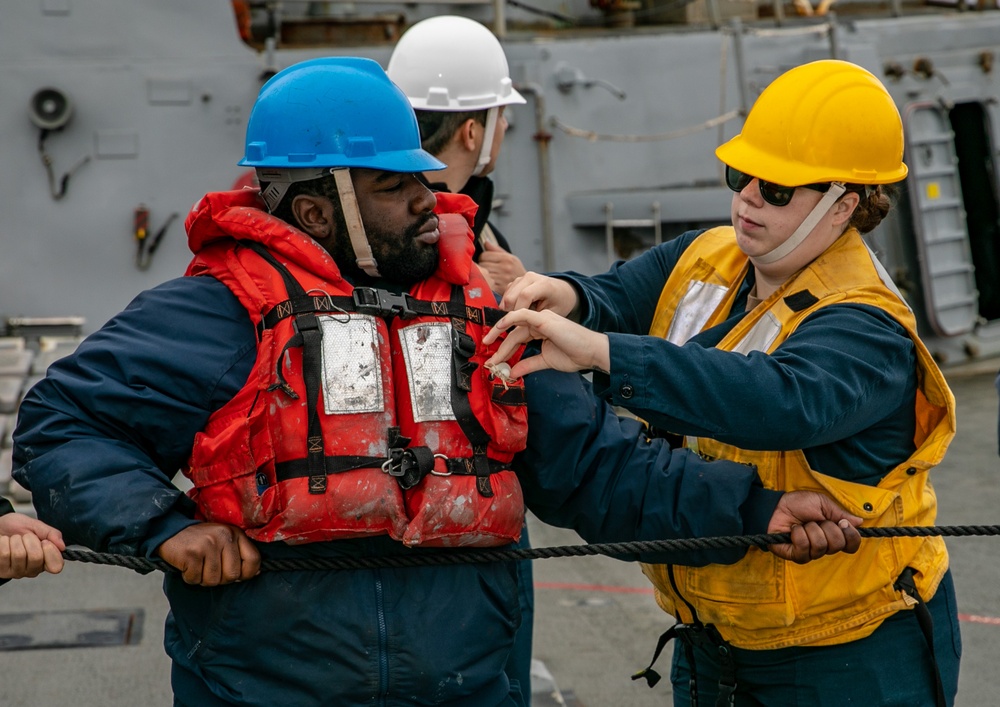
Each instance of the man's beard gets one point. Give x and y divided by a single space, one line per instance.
401 259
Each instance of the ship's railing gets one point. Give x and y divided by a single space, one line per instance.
291 23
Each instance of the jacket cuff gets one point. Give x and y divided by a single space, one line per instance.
758 509
161 530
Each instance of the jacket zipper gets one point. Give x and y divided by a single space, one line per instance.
383 640
677 591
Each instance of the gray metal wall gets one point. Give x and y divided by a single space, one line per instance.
629 118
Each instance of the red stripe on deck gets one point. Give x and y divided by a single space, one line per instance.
970 618
594 588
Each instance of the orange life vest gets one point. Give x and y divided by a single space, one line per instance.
367 412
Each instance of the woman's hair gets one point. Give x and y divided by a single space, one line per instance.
438 127
873 206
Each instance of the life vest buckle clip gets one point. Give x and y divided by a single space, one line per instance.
409 466
382 303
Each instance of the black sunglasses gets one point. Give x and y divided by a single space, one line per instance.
772 193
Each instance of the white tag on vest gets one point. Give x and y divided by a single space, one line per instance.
427 352
352 369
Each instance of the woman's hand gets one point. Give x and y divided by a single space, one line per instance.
540 292
566 346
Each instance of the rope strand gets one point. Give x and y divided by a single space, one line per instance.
621 550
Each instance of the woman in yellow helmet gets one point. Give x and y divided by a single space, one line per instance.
780 341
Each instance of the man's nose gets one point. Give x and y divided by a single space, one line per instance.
423 201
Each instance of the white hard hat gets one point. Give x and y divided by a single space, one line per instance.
451 63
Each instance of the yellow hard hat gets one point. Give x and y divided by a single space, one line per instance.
826 121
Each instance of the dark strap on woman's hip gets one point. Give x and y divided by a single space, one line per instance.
906 585
701 636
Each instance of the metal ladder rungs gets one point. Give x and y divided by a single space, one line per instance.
611 223
940 205
953 269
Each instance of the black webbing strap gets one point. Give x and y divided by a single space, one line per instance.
463 347
309 336
700 636
648 674
297 468
468 466
727 668
377 303
408 464
309 303
491 315
906 585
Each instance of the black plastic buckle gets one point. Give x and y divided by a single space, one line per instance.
306 321
409 466
463 344
382 303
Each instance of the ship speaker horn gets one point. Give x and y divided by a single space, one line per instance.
50 109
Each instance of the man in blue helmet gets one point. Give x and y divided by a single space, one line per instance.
319 378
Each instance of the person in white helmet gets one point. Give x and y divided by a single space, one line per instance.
455 74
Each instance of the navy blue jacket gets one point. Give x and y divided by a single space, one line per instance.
100 438
842 387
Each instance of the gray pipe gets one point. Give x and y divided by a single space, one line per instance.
542 138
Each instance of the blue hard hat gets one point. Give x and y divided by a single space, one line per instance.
334 112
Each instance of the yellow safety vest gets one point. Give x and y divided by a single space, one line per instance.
763 602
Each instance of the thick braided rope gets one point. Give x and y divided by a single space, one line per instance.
622 550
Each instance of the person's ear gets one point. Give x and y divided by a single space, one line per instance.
845 206
467 135
314 215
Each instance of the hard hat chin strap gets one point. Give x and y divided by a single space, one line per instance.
824 205
486 151
352 217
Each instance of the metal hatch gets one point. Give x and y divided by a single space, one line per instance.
947 272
